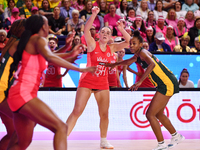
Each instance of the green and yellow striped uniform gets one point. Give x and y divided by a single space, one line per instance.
4 75
162 77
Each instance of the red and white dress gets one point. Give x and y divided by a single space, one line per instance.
26 86
98 79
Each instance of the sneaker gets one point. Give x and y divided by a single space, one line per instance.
175 140
106 145
161 147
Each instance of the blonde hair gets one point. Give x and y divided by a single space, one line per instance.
75 11
170 11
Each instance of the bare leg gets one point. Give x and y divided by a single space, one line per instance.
82 97
103 100
36 111
8 122
156 107
6 116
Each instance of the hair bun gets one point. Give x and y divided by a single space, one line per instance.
136 33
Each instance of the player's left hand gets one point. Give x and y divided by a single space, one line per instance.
135 86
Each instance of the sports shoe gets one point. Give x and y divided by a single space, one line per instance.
175 140
161 147
106 145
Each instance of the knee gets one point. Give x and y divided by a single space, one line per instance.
61 126
104 115
149 115
77 112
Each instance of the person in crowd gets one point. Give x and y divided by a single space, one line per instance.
151 5
76 41
150 33
190 5
161 27
116 3
8 10
168 4
158 72
178 9
150 21
3 39
183 47
37 3
143 10
194 32
79 5
75 23
159 11
45 9
111 18
139 24
66 10
94 34
146 45
14 16
22 97
196 49
170 38
180 29
130 18
25 11
171 18
97 83
122 10
122 69
103 7
184 81
54 3
189 19
134 4
34 10
159 44
85 13
57 22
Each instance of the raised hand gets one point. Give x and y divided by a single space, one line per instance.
78 49
95 10
121 23
70 38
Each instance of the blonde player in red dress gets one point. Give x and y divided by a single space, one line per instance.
97 83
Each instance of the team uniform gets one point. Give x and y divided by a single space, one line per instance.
112 76
99 79
4 75
26 86
161 77
51 79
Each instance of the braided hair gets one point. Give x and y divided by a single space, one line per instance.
33 25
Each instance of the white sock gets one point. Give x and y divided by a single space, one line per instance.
162 142
103 139
174 134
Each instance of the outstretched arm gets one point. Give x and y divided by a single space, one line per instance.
42 48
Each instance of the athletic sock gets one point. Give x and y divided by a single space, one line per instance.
103 139
174 134
162 142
